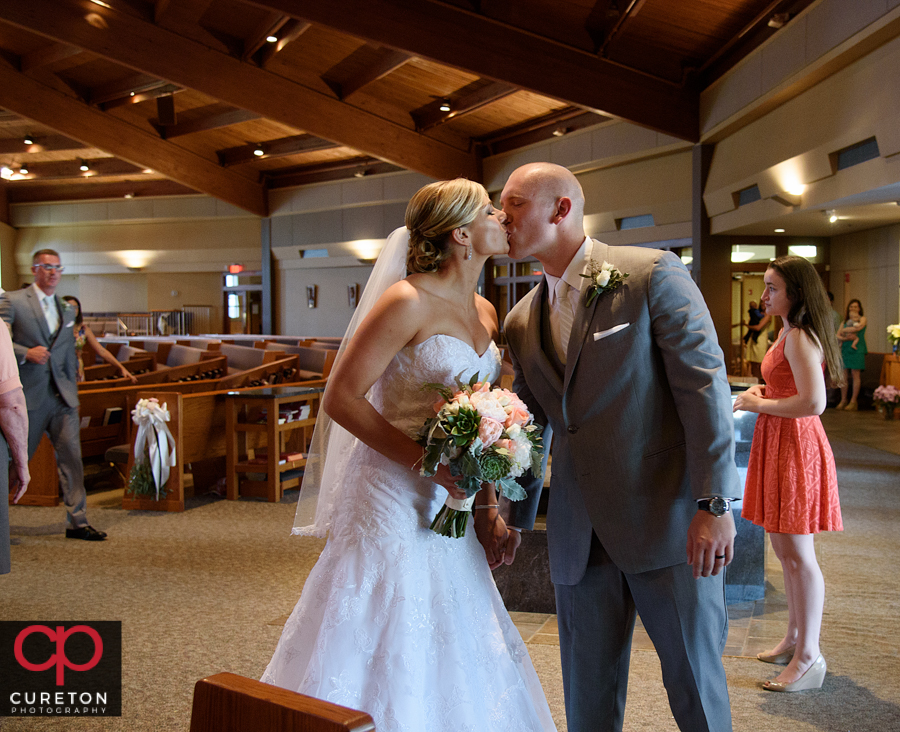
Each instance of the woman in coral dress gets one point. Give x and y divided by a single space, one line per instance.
792 487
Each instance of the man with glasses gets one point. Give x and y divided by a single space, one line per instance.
41 327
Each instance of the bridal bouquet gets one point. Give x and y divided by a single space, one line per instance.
482 434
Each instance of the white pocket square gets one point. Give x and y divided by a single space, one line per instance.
615 329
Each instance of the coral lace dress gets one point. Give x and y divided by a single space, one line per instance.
791 481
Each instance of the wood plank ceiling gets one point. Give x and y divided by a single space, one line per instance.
233 98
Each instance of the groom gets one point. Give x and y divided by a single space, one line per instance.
632 384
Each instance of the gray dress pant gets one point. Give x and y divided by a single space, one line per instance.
63 425
686 620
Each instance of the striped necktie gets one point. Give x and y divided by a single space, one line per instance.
50 314
566 314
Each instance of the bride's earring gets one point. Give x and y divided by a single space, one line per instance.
468 251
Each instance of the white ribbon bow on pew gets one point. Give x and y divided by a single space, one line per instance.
153 433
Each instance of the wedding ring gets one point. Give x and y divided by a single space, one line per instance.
720 556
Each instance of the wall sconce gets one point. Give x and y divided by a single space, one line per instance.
135 269
353 295
311 294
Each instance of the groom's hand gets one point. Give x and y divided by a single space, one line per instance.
493 535
710 543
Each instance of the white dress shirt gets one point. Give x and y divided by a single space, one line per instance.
48 305
561 325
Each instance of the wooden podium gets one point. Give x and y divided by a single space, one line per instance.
890 370
43 490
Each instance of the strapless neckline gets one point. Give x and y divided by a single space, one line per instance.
458 340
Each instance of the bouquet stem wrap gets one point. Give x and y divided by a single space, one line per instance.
153 434
451 520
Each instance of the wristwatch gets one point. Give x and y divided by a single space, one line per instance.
717 506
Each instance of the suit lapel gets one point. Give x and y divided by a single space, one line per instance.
534 342
584 315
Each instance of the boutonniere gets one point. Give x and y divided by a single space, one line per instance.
604 278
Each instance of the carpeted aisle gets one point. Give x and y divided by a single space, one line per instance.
207 591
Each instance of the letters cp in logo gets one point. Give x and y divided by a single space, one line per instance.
59 636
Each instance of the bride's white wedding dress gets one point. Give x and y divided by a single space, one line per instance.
395 620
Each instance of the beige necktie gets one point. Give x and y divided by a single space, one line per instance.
50 314
566 314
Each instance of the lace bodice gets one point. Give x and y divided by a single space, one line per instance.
398 394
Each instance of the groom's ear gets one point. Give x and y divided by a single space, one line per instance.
562 210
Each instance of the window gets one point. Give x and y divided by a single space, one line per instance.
748 195
858 153
310 253
634 222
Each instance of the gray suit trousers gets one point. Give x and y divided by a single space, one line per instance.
63 425
686 620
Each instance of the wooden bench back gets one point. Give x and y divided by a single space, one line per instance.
242 358
230 703
271 372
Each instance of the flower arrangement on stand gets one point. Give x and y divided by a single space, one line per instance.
888 398
894 337
484 435
154 450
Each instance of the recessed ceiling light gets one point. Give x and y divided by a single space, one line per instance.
258 151
23 170
84 166
148 171
445 105
779 231
272 39
29 140
129 195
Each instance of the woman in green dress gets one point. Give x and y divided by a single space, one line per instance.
852 336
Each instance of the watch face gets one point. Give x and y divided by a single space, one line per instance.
718 506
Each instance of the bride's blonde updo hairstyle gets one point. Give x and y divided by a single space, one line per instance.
432 215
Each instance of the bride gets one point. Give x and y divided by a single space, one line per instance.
394 619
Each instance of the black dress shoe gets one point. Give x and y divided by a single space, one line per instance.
88 533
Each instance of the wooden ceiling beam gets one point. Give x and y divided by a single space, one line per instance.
322 172
135 43
555 124
41 143
379 62
185 11
465 101
496 50
162 90
270 25
211 117
112 135
288 33
100 167
47 56
25 191
279 148
124 88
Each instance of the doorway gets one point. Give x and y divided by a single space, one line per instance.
242 298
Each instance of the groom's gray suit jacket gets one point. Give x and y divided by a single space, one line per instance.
640 415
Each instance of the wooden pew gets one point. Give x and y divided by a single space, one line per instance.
96 404
273 372
243 358
198 427
211 368
108 372
230 703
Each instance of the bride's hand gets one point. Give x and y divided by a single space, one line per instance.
444 478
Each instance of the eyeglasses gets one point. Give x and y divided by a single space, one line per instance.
50 267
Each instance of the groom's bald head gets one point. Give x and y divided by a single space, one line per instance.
544 207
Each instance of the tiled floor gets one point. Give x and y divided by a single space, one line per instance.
752 626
